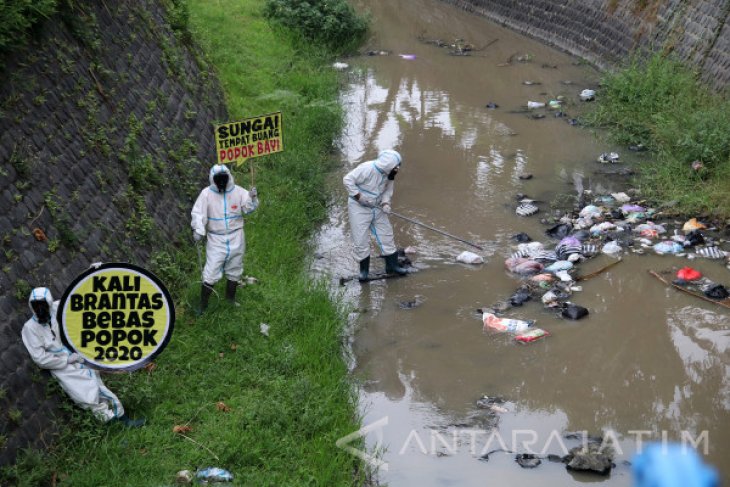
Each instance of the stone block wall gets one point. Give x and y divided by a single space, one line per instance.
605 32
105 140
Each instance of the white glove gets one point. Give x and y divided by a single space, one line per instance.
197 237
253 193
75 358
386 208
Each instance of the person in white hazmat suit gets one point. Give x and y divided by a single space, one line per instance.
41 337
370 189
218 215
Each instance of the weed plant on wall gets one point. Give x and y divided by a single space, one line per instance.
18 17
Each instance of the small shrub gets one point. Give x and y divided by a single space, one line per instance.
140 224
178 15
22 290
331 22
15 415
172 268
53 245
661 103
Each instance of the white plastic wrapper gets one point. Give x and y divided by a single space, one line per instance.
467 257
611 248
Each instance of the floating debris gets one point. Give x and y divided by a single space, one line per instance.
526 208
587 95
608 158
528 460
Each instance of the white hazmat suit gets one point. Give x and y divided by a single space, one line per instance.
81 383
219 216
370 190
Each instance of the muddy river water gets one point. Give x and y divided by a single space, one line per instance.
647 359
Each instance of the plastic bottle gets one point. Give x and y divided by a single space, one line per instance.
214 474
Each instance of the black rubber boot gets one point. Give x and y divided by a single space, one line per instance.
391 265
205 291
364 269
231 287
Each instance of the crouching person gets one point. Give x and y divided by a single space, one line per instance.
42 339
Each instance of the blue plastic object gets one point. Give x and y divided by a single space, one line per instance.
214 474
672 465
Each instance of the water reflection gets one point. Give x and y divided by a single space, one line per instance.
647 358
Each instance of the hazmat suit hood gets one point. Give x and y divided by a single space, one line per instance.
387 161
218 169
40 294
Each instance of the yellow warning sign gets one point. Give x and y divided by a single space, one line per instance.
117 316
248 138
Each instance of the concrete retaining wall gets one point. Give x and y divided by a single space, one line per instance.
605 32
105 140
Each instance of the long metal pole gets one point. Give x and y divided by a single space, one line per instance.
415 222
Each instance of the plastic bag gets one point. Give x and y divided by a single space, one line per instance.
564 276
532 335
590 211
505 324
526 209
531 248
608 157
668 247
621 197
587 95
559 231
522 265
632 209
695 237
718 291
549 298
568 246
574 312
611 248
688 274
692 224
711 252
520 297
602 228
521 237
535 104
467 257
560 265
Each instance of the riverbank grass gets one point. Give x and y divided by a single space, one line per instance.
267 408
660 103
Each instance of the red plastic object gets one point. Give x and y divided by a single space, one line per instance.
688 274
532 335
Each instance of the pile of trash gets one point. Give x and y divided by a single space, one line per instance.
609 224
